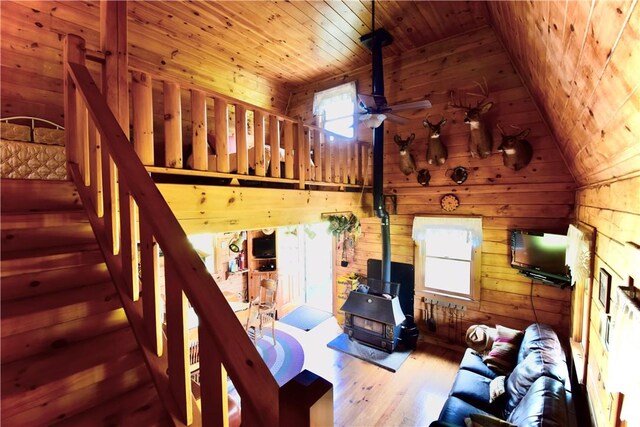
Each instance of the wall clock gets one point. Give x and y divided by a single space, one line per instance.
449 203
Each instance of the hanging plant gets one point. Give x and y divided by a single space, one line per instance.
340 225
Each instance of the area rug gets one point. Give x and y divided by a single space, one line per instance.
390 362
305 317
285 359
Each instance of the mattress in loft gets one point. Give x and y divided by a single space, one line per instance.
28 160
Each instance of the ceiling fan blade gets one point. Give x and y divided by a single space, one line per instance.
396 119
373 101
416 105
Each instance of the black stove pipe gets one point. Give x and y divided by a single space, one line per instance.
378 161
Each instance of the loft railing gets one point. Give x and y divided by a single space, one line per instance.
245 141
126 209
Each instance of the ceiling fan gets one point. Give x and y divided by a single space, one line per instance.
374 108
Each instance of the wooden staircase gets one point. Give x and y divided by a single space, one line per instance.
68 355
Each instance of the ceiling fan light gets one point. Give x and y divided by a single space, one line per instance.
372 121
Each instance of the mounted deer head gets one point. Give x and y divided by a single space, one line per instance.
407 164
516 151
436 150
480 142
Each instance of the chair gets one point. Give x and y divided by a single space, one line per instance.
262 311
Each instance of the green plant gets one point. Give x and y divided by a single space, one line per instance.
340 224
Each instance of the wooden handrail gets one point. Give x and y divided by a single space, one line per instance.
115 188
241 359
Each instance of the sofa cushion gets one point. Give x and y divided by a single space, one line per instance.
482 420
503 355
474 389
455 410
544 405
537 364
472 361
539 337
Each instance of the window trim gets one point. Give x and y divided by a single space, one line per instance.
476 265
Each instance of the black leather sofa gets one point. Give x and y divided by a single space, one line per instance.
538 390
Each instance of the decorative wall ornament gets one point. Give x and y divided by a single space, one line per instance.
449 202
516 151
407 164
459 174
436 150
424 177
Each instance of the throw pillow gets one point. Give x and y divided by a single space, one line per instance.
482 420
496 388
503 354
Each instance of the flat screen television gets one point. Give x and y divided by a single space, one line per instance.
264 247
540 256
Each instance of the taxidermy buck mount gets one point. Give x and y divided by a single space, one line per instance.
436 150
517 152
407 163
374 41
480 142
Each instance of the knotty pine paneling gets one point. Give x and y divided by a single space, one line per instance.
613 209
540 196
580 60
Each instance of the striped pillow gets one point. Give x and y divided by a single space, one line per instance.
503 354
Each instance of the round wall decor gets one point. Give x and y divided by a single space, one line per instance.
449 203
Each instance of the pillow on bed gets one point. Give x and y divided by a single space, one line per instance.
14 132
48 136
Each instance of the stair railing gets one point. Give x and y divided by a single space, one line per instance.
125 207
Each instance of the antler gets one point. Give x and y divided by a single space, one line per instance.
500 129
484 91
459 104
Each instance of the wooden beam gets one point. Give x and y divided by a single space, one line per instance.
242 154
95 166
151 301
199 130
288 149
172 125
302 149
215 403
274 143
222 134
72 52
142 100
258 138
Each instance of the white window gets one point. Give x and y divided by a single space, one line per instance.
336 108
448 255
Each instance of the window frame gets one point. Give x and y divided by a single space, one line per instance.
320 111
475 279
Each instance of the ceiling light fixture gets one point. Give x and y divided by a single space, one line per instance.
372 121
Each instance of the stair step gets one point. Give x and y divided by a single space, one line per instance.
139 407
62 405
34 381
43 282
19 316
19 220
30 195
59 257
25 240
20 346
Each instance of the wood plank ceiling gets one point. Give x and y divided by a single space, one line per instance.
578 59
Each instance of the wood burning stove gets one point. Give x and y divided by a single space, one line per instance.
373 315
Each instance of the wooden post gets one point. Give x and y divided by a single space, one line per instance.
274 142
242 153
258 149
366 160
95 164
82 133
172 126
344 165
129 241
328 159
318 145
303 154
151 300
73 51
359 163
288 149
222 134
113 42
177 340
306 400
213 383
142 100
351 161
199 130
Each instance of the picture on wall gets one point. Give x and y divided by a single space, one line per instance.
604 293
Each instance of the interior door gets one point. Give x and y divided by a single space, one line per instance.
318 266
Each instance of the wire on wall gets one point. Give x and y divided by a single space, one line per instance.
532 306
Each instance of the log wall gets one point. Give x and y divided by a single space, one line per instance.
613 209
540 196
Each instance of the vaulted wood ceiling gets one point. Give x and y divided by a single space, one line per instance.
578 59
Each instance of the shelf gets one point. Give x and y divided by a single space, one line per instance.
231 273
263 259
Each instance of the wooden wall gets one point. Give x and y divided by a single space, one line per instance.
613 209
31 55
580 59
541 196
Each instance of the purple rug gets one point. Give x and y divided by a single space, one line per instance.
285 359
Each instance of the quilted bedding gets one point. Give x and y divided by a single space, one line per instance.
28 160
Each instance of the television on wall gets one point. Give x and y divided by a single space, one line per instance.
540 256
264 247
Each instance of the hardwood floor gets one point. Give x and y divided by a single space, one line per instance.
365 395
